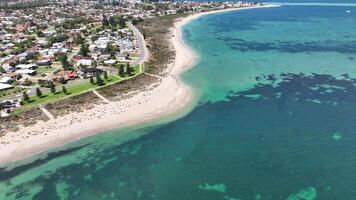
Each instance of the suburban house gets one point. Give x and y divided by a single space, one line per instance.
66 75
5 86
6 80
45 61
89 72
25 66
82 60
30 72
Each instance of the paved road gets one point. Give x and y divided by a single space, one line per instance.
141 45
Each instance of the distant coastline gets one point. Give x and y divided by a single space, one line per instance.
170 96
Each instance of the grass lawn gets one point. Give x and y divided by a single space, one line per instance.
11 92
42 69
71 91
137 71
75 90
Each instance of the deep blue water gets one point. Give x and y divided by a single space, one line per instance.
275 120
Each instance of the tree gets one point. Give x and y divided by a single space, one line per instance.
105 21
27 82
128 69
25 96
121 69
112 21
113 29
57 38
78 39
99 81
111 49
39 33
2 70
3 54
62 80
122 22
64 60
84 50
134 22
93 37
106 75
53 88
64 89
91 80
38 92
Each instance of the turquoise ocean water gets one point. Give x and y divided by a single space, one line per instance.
275 119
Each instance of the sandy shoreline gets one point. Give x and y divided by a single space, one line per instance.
170 96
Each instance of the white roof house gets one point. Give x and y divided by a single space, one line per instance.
58 45
5 86
49 32
26 66
5 113
110 62
26 71
41 41
84 62
5 80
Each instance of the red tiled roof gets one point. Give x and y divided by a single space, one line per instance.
80 57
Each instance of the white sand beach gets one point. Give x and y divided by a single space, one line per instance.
170 96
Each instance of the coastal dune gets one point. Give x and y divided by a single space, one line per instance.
170 96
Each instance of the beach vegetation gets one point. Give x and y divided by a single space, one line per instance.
156 32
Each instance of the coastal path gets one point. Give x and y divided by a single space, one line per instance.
141 45
156 76
100 96
46 112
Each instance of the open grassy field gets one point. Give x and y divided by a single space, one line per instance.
71 91
11 92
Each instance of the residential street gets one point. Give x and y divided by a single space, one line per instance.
141 44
